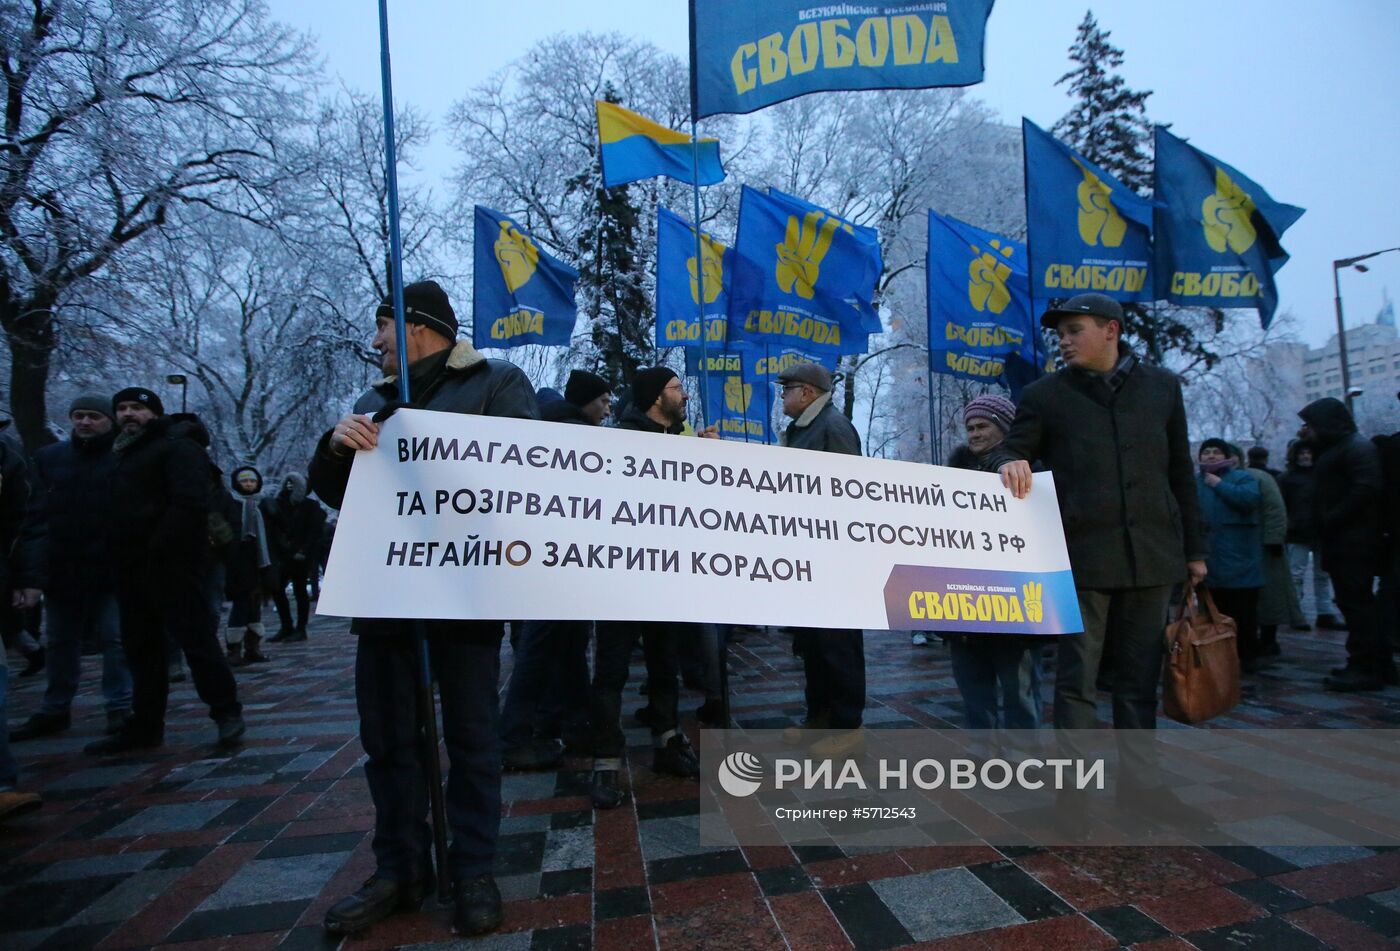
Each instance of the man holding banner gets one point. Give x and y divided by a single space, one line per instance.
450 376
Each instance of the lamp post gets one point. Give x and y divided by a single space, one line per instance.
184 382
1341 327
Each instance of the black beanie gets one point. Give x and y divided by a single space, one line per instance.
647 386
584 387
1217 443
424 302
92 403
138 394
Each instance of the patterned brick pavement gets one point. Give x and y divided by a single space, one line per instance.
189 847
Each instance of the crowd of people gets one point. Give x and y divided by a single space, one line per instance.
133 541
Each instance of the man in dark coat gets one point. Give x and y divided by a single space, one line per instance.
1348 517
657 405
1112 429
453 378
1389 593
1296 484
549 680
833 659
72 512
294 525
160 542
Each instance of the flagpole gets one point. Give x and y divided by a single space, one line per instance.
932 428
427 711
699 272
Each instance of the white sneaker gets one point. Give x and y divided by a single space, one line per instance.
920 639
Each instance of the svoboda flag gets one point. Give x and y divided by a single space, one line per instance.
979 302
800 274
520 294
1087 231
747 54
1216 232
678 278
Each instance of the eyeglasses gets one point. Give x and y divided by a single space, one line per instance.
674 385
792 386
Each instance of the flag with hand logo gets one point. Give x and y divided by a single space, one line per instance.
979 301
520 294
1217 232
1086 230
741 407
678 284
799 273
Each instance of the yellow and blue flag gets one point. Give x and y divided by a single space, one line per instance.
747 54
1217 232
634 147
520 294
678 280
1087 231
979 302
800 276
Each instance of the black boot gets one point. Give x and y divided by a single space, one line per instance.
377 899
231 730
41 724
1353 680
285 634
534 756
128 740
1329 622
34 661
478 905
605 791
676 758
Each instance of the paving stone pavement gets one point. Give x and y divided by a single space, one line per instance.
191 847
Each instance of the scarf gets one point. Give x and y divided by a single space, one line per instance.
1217 468
254 528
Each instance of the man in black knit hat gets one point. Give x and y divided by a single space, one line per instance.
451 376
160 540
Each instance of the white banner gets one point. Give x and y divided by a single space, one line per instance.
458 516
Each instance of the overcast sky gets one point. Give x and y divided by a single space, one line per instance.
1300 96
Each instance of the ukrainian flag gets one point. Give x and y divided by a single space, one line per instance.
634 147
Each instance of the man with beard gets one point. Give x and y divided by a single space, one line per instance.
294 525
72 510
451 376
160 543
657 405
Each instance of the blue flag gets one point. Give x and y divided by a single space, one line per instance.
979 302
677 284
799 274
520 294
741 407
1217 232
633 148
1087 231
752 361
868 240
747 54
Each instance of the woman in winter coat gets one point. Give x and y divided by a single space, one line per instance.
1278 602
1230 502
249 566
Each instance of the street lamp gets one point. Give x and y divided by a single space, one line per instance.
184 382
1341 327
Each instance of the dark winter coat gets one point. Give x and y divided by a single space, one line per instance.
72 483
293 528
1123 473
20 546
1389 449
1347 505
562 411
1296 484
1230 517
827 430
161 497
635 420
467 383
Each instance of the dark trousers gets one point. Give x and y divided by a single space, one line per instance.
834 663
296 573
611 659
1242 604
1132 621
549 681
466 663
171 602
1352 589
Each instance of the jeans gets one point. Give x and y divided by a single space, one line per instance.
981 664
69 623
834 663
9 769
611 660
1298 555
294 572
466 661
549 681
170 602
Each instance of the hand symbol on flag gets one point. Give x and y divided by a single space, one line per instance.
517 255
737 394
1098 219
714 271
1033 591
1226 216
986 278
801 253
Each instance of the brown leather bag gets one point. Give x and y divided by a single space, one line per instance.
1201 672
